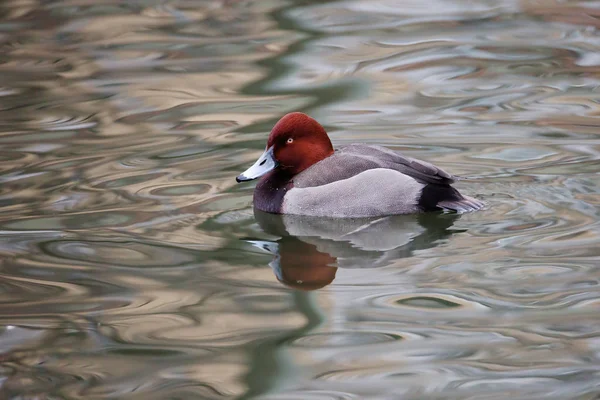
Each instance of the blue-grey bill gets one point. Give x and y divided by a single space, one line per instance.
273 248
265 163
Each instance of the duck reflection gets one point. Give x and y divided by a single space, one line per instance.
311 249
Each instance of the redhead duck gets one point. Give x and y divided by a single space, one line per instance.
302 174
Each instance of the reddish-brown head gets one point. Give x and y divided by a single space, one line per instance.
298 141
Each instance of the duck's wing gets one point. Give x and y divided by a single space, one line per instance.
354 159
422 171
362 180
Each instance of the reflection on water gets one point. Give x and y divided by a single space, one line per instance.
132 265
310 249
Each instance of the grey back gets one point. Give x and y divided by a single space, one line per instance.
353 159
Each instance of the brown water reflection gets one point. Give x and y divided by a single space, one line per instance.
311 249
132 265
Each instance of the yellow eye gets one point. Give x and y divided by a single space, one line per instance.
290 140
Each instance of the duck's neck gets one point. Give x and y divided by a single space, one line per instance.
269 192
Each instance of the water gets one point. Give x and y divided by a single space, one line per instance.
133 266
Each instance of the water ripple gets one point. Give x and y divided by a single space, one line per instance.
133 266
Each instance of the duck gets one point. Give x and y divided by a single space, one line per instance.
302 174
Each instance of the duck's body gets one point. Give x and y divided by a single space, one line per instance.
303 175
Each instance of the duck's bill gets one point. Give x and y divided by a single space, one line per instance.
265 245
265 163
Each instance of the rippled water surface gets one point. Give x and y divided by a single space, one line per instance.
133 266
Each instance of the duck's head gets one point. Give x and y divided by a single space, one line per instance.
296 142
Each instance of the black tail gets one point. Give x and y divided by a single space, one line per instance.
445 197
466 204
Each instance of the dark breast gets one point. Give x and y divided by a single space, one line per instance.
269 192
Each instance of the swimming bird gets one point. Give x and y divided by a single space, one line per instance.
301 173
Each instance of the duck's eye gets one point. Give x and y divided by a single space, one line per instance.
290 140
